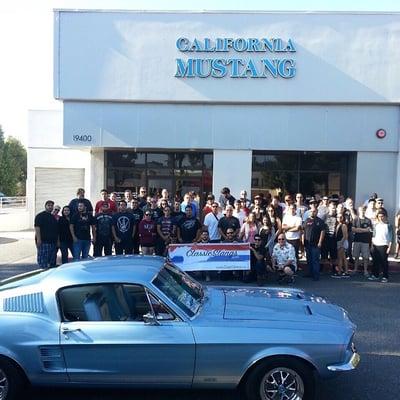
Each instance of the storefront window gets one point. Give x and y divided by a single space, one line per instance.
178 172
306 172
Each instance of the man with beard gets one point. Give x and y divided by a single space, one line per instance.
189 229
46 230
314 233
123 230
102 233
80 226
137 214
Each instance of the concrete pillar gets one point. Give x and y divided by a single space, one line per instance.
232 168
96 174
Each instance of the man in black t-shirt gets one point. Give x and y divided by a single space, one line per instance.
165 232
314 233
123 230
362 230
46 232
81 224
137 214
258 258
102 234
189 229
229 221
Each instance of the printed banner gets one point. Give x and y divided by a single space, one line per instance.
210 256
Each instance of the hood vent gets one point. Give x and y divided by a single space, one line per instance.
28 303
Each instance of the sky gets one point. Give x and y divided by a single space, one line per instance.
26 43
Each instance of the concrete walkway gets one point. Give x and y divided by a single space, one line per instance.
17 247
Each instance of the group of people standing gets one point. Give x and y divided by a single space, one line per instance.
328 230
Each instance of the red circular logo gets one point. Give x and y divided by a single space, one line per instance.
380 133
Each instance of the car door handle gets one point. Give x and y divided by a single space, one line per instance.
65 330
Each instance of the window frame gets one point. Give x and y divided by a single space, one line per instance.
63 319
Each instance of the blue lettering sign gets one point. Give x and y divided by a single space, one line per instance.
196 67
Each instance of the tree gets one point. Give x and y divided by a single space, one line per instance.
12 166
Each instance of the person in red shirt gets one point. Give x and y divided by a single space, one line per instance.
112 206
147 234
208 207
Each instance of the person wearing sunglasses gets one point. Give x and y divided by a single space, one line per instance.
284 260
258 259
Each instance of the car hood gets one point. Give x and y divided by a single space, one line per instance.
279 304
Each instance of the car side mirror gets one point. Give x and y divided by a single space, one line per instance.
150 319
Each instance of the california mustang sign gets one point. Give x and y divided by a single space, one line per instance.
212 256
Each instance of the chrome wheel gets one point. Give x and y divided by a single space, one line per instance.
3 385
282 384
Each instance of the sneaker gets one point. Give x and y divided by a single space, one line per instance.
345 275
373 278
384 280
336 275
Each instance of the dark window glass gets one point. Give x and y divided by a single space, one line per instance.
119 179
322 162
208 161
159 160
275 181
320 182
192 160
177 172
308 172
125 159
286 161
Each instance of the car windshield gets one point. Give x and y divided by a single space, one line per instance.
180 288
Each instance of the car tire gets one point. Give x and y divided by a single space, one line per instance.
12 382
265 380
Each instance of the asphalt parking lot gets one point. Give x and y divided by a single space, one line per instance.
373 306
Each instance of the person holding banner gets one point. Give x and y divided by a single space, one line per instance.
258 258
165 231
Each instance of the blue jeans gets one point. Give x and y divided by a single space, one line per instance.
313 254
81 249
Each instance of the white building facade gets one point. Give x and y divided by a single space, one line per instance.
283 102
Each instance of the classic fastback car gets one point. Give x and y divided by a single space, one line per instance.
140 321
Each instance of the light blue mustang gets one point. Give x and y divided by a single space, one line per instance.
141 322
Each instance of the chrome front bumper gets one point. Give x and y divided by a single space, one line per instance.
348 366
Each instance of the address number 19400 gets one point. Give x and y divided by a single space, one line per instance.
82 138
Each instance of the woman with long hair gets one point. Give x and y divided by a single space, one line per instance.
276 227
342 242
249 229
65 236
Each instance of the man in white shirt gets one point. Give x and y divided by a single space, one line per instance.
211 222
238 212
291 225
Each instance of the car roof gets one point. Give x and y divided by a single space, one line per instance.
132 268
